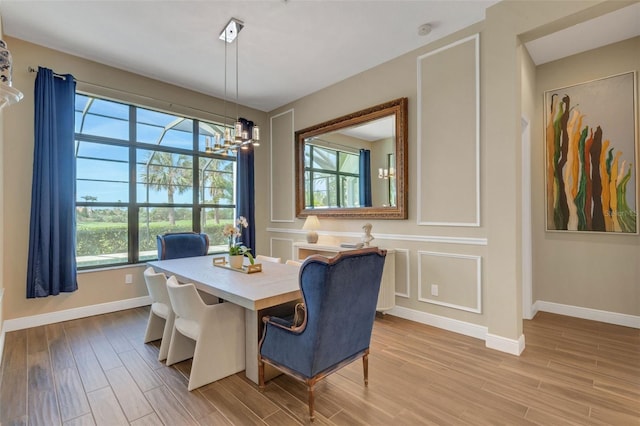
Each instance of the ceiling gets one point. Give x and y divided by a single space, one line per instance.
606 29
287 49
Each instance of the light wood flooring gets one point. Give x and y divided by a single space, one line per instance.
97 371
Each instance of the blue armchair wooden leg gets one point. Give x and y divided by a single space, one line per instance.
365 367
310 384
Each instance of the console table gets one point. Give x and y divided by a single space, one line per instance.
387 294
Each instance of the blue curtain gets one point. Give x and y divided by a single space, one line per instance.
52 257
365 178
245 190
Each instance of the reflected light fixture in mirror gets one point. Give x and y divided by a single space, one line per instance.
311 224
386 173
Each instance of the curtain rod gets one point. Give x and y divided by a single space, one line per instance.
171 104
64 77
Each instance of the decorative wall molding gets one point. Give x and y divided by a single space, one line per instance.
407 284
421 220
478 262
271 180
398 237
527 226
616 318
288 240
74 313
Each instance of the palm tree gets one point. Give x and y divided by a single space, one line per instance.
88 198
173 172
218 176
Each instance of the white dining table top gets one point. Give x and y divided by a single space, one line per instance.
277 283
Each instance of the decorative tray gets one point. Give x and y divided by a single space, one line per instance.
221 262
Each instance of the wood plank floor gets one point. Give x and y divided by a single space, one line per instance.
97 371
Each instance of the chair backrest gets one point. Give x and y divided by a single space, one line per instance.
157 286
340 296
185 300
174 245
263 258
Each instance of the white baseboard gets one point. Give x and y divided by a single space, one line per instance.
587 313
492 341
74 313
502 344
2 333
460 327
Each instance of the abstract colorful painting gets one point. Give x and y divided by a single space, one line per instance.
591 156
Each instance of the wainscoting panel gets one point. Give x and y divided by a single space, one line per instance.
449 135
403 277
282 247
282 179
452 280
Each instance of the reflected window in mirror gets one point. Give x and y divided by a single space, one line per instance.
332 177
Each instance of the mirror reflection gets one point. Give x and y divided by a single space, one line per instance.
351 167
354 166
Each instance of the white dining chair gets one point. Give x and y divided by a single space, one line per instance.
213 335
293 262
161 315
263 258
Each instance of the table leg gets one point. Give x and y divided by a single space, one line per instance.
251 347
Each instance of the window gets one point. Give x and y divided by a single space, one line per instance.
331 178
141 173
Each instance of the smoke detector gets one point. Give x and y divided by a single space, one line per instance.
424 29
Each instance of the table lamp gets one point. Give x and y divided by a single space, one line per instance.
311 224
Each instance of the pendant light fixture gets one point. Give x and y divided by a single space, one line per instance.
8 95
245 133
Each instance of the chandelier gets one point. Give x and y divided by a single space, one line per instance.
245 132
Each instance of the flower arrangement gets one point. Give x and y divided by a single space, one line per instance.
236 248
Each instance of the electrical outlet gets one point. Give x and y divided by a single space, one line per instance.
128 279
434 289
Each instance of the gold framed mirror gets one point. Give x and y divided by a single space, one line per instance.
354 166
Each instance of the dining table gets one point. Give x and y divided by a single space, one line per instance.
273 290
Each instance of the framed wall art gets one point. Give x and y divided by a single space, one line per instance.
591 155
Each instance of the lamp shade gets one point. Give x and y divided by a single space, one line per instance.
311 224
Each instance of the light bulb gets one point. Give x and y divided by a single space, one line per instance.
227 137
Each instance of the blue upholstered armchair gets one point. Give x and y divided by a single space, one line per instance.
174 245
340 296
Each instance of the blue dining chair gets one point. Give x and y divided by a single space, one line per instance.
175 245
340 296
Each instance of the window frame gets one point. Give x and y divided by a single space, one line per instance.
134 206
